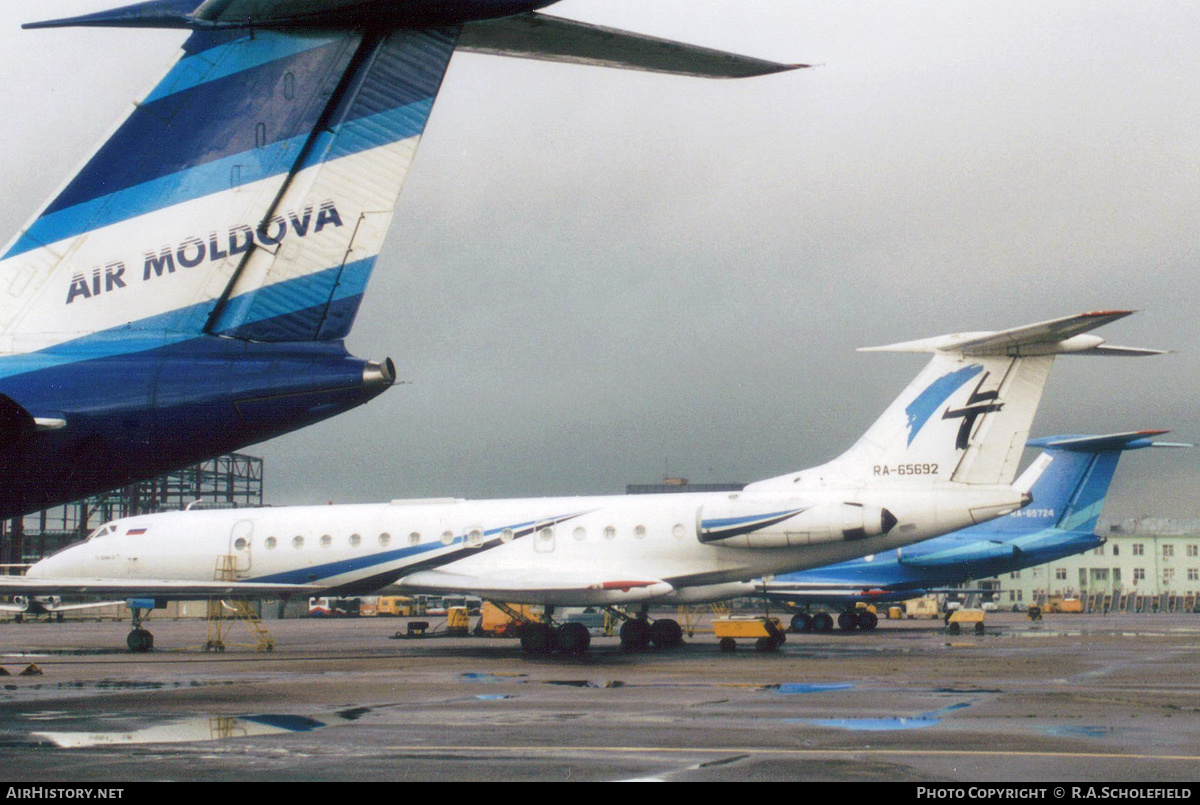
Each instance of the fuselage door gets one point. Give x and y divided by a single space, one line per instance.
240 544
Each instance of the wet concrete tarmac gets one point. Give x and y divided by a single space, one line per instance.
1070 698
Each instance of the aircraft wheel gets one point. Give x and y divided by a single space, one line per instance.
635 635
867 620
139 640
538 639
979 628
573 638
666 633
802 622
822 622
728 644
847 621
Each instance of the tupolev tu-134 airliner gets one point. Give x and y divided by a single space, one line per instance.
942 457
187 292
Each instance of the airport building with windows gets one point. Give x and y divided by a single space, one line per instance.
1148 564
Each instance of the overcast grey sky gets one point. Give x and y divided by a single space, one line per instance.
597 276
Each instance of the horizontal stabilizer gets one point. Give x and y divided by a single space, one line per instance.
540 36
1132 440
1055 337
150 588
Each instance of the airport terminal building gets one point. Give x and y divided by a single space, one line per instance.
1147 564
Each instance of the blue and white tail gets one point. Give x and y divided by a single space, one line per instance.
247 195
967 415
1070 479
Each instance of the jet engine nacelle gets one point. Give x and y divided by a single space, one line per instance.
738 523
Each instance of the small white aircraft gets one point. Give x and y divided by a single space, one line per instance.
941 457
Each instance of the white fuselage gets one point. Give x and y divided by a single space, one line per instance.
599 541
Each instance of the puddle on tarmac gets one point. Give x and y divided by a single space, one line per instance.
184 730
882 724
792 688
1077 732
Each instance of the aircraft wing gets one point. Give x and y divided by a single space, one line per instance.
836 592
151 588
75 607
541 36
540 587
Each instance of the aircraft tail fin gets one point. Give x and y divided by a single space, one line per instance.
1071 477
967 415
247 195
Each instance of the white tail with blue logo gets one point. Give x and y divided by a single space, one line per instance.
967 415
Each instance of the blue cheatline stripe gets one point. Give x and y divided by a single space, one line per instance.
214 177
149 165
226 59
333 569
173 327
726 522
920 409
211 121
294 310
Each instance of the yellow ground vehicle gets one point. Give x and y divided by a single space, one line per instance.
768 631
457 621
962 618
495 622
1057 603
924 607
400 606
391 605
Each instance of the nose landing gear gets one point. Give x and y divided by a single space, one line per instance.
139 640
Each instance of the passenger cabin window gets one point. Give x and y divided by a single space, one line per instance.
240 544
507 535
475 537
679 530
355 540
297 542
270 543
610 532
326 540
385 539
414 538
639 532
580 533
447 537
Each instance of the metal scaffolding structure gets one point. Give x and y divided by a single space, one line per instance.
233 480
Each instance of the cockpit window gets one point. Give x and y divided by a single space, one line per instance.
107 528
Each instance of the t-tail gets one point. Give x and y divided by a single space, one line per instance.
967 415
1069 480
187 291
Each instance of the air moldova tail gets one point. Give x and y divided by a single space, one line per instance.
247 195
967 415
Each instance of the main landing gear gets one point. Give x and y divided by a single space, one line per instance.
573 639
847 621
139 640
